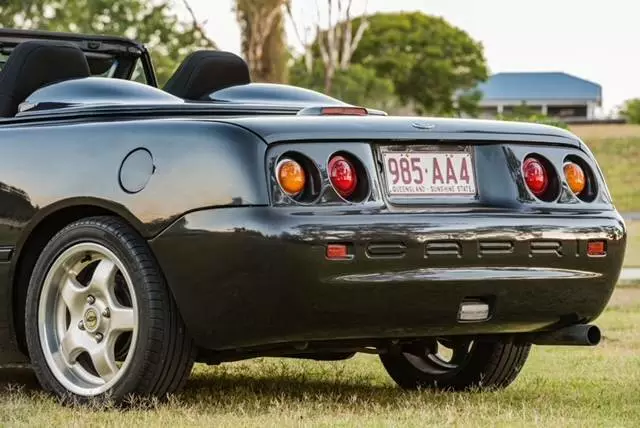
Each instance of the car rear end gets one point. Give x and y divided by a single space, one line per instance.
389 228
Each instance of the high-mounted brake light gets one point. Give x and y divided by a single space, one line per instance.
575 177
291 176
340 111
343 111
343 176
535 175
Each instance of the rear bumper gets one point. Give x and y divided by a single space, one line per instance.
258 275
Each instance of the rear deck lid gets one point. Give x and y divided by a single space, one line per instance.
369 128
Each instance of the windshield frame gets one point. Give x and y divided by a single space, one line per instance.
126 52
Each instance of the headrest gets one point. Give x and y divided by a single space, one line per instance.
34 64
203 72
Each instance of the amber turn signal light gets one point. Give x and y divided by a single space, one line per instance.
291 176
575 177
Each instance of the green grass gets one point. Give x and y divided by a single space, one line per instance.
617 150
619 159
559 386
632 255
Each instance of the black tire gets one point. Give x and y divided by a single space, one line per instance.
487 366
163 354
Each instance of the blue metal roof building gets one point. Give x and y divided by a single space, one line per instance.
553 93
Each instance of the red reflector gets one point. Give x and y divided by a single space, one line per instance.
596 248
344 111
337 251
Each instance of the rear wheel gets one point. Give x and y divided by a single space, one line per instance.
456 364
100 320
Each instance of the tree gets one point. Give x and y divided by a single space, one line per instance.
525 113
263 38
335 44
168 38
434 65
356 85
631 111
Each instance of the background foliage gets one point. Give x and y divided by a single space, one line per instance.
412 60
429 60
402 61
154 23
357 85
631 111
524 113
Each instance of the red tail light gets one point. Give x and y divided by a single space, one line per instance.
343 176
535 175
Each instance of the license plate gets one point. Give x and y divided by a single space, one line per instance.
418 174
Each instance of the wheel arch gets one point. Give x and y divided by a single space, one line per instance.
35 236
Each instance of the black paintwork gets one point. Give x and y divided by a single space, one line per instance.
246 263
402 128
95 91
98 91
55 166
273 94
262 277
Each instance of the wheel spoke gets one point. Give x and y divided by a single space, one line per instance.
122 319
70 269
74 343
103 277
433 348
460 353
104 361
73 295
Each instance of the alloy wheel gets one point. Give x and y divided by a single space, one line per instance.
88 319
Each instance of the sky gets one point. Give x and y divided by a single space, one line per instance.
598 40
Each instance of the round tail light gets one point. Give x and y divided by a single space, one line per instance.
536 176
343 175
575 177
291 176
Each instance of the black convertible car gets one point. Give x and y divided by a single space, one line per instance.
216 220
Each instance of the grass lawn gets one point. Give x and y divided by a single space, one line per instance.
617 149
632 256
559 386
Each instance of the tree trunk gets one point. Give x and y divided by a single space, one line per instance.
263 38
328 79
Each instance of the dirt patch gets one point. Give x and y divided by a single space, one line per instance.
606 131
